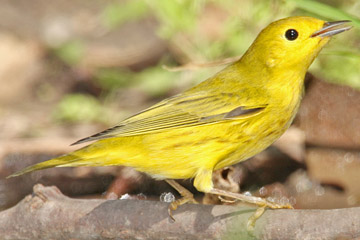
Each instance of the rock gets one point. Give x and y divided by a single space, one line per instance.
330 115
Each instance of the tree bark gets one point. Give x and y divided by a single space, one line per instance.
48 214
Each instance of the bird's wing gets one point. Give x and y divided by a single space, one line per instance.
182 111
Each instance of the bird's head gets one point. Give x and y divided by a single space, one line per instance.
292 42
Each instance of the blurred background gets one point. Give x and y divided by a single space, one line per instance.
69 69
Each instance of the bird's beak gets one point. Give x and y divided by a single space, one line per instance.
332 28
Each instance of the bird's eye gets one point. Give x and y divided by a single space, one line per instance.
291 34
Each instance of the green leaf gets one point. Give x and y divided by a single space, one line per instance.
111 79
326 11
117 13
79 108
70 52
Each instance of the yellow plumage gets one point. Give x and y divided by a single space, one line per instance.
224 120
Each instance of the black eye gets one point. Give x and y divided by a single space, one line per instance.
291 34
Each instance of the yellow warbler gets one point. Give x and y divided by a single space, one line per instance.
226 119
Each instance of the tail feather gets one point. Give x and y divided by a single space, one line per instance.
92 155
55 162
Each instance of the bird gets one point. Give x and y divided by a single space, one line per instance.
224 120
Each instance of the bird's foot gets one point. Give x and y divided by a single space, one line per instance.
260 202
187 197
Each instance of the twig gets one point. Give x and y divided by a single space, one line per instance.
47 214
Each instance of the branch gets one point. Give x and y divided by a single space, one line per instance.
48 214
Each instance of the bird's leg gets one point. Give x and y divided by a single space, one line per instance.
252 220
261 202
187 197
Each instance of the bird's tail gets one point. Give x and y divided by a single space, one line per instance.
87 156
55 162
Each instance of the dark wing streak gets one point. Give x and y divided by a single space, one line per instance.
241 111
97 135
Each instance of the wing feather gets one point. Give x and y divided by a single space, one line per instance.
181 111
